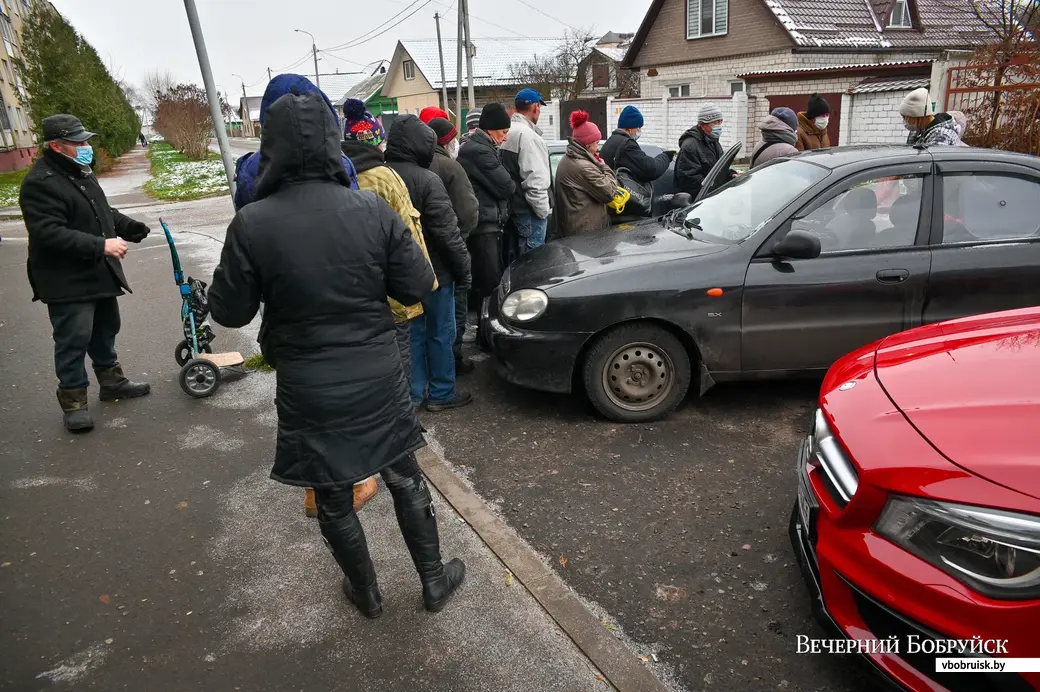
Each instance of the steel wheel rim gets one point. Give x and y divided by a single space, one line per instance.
637 376
200 378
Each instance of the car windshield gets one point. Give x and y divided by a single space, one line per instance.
743 206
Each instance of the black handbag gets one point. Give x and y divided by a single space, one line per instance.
640 202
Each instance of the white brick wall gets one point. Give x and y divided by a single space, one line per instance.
549 122
665 119
875 118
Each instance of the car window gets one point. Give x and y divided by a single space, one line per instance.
989 207
874 214
554 162
736 211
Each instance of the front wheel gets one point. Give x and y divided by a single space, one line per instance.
182 354
199 378
637 373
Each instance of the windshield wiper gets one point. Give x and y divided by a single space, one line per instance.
690 225
671 222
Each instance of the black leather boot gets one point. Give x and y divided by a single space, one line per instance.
115 385
346 539
418 521
73 404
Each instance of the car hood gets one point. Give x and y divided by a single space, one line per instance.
971 387
643 243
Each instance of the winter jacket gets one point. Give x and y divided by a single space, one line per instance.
323 258
698 154
460 190
247 168
942 130
409 151
68 219
492 183
375 176
584 187
778 139
526 157
621 150
809 136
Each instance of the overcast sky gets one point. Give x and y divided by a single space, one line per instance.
246 37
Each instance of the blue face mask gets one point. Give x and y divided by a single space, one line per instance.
84 155
716 132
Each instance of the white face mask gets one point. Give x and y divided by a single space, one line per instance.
637 135
822 122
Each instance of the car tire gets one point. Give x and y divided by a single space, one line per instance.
637 373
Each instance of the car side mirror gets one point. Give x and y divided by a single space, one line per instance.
798 245
681 200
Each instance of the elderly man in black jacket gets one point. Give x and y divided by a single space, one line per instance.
464 202
410 151
76 242
323 258
494 187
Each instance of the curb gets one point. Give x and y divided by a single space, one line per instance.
613 659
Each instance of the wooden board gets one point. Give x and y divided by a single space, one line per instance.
223 360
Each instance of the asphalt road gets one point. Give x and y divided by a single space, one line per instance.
678 528
155 553
239 145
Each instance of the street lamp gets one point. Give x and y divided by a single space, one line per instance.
314 50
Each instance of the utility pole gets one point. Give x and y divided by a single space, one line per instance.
469 56
248 120
460 40
440 52
211 92
269 74
314 50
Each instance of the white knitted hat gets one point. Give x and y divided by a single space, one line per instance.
709 113
916 104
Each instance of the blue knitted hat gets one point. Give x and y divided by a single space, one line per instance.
631 119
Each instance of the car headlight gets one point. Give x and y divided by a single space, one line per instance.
525 305
995 552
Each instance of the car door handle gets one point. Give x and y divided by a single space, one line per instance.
893 276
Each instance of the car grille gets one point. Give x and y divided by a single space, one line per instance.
825 451
884 623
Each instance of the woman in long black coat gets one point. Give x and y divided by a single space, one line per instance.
323 258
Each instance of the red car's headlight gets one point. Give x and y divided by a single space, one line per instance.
997 553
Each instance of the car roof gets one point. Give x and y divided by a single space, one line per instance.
839 157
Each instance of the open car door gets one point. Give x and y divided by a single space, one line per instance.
717 176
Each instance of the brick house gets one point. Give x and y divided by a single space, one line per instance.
601 74
750 56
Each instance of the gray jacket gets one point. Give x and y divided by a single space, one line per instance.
526 157
778 139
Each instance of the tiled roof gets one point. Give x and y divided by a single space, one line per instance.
851 67
491 64
862 24
365 89
879 84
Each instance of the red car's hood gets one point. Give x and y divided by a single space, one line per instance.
972 388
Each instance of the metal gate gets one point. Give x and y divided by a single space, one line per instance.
596 108
1001 103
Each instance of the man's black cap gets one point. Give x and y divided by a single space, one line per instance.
67 127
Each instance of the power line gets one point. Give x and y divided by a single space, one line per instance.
354 41
336 57
297 62
524 2
392 26
482 20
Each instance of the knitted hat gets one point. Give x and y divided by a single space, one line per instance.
915 105
787 117
710 113
444 129
817 106
360 125
631 119
430 112
473 118
584 132
494 117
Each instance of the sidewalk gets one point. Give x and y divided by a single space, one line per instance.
122 184
155 553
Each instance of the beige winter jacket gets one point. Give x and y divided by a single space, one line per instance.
584 187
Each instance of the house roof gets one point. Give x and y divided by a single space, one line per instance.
365 89
872 85
856 25
491 64
899 65
615 54
254 105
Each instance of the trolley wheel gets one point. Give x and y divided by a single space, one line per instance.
183 352
199 378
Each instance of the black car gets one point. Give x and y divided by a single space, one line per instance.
779 272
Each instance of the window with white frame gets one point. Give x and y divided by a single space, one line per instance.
409 70
677 90
736 86
900 17
706 18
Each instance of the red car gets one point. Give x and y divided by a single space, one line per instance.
918 512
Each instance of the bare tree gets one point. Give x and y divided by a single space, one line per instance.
155 83
557 73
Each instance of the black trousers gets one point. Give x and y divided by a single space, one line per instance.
82 329
485 249
402 479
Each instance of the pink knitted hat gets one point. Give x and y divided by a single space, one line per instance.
584 132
